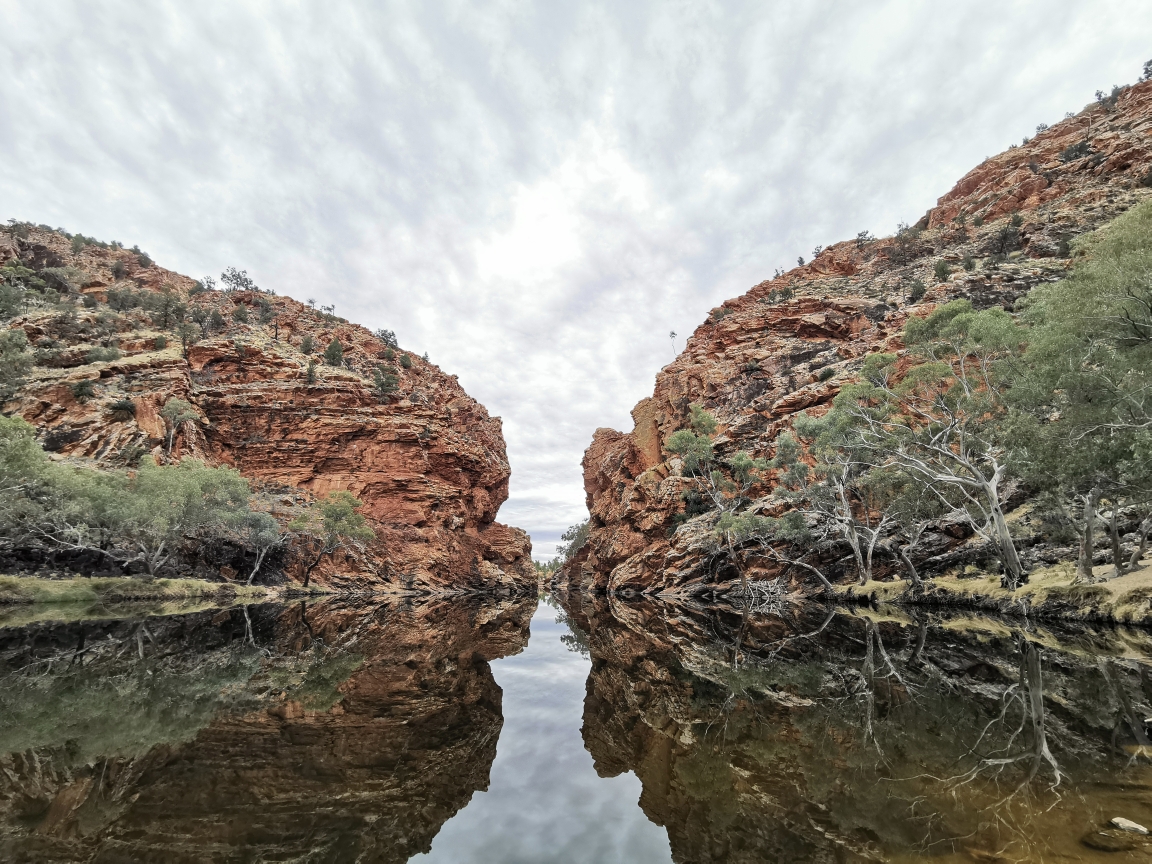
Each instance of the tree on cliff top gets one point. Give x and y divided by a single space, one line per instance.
332 524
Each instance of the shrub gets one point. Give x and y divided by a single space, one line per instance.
978 221
119 270
1075 151
720 314
123 299
122 410
310 375
237 280
11 301
385 381
389 354
267 312
916 291
969 262
387 337
161 343
143 260
941 271
90 302
240 314
826 373
165 307
103 355
406 361
1017 220
82 391
334 353
306 346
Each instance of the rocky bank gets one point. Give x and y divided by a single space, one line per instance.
428 461
790 343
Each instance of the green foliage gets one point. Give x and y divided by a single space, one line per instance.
175 412
573 540
240 314
319 690
122 409
695 451
406 361
388 337
310 374
332 523
105 354
306 345
83 391
701 421
385 381
119 270
160 343
916 291
334 353
941 271
15 362
235 280
123 299
165 307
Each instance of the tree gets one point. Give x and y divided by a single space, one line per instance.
165 308
237 280
306 346
175 412
262 533
385 381
332 524
334 353
15 361
164 505
189 335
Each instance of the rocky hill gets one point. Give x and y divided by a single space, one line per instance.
426 459
792 342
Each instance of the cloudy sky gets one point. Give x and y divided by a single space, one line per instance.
536 194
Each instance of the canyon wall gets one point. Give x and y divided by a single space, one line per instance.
427 460
790 343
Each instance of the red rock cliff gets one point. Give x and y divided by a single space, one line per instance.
428 462
790 343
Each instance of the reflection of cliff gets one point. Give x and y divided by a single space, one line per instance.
362 733
841 738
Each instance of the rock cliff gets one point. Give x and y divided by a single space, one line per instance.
790 343
427 460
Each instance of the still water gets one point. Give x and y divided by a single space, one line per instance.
581 730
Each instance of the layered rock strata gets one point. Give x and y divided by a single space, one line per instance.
355 738
428 461
790 343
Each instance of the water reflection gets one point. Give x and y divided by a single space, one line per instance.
847 736
627 731
321 733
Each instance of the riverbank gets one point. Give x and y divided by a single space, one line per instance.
1051 593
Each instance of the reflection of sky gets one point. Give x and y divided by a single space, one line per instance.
545 802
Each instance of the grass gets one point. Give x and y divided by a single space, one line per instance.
116 589
1050 592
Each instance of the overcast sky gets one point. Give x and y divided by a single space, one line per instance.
536 194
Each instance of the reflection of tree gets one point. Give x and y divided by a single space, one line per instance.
575 640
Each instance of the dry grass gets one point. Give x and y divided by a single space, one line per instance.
33 589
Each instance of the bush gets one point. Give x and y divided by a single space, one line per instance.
310 375
119 270
237 280
941 271
11 301
969 262
240 314
123 299
916 291
387 337
165 307
1017 220
385 381
406 361
122 410
161 343
1075 151
826 373
978 221
306 346
89 301
389 354
334 353
103 355
82 391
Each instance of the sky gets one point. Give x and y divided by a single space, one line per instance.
534 193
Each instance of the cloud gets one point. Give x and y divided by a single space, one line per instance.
534 193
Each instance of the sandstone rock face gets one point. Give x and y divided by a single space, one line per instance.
282 770
428 461
792 342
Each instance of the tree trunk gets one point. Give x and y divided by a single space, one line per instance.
1013 569
912 574
851 535
312 566
1084 562
1114 535
1142 547
260 553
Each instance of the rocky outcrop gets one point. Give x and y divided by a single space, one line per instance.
427 460
792 342
822 735
360 733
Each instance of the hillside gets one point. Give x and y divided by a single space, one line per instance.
426 460
792 343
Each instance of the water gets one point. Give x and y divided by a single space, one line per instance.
509 731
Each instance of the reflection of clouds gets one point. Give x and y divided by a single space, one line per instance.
535 195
